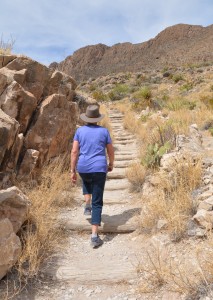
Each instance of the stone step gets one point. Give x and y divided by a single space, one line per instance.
111 197
116 184
126 157
115 219
112 263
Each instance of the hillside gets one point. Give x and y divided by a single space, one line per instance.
176 45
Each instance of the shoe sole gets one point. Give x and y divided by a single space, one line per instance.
96 245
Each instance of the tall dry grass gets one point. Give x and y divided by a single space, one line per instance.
42 235
6 47
173 201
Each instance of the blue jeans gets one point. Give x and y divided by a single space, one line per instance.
93 183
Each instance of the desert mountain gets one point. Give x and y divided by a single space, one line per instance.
176 45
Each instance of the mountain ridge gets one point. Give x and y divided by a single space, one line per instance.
174 46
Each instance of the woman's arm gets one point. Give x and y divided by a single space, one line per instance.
110 153
74 159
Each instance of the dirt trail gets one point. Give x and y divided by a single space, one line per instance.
109 272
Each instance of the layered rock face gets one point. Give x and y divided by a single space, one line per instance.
37 115
176 45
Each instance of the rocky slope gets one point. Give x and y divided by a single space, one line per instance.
176 45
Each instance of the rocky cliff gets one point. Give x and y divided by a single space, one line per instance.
37 116
176 45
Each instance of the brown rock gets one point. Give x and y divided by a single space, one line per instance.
8 131
5 59
54 126
207 204
204 218
18 104
10 247
28 164
14 206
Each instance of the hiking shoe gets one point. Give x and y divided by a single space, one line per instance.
87 210
96 242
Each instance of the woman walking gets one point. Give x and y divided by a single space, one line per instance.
88 158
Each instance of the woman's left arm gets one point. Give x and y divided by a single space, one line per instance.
74 159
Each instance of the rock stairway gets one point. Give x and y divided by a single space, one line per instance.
110 269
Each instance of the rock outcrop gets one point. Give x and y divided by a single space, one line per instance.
13 212
176 45
38 116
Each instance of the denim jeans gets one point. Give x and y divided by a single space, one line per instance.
93 183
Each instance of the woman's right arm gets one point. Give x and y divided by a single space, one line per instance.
110 153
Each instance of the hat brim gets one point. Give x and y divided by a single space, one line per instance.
91 120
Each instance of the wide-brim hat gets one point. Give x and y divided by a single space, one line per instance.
92 114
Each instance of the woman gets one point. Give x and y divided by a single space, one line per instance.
89 155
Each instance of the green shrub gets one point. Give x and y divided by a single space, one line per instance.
177 77
99 95
186 87
211 130
141 99
92 87
179 104
118 92
207 100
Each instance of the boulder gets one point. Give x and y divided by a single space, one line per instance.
5 59
8 131
18 104
13 206
54 127
10 246
28 164
204 219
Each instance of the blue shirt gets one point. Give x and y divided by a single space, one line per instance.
92 142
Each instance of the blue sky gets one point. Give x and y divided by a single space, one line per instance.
49 30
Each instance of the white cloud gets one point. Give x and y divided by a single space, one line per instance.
48 30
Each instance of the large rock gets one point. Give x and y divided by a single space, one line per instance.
18 104
38 112
55 125
14 206
8 130
28 164
10 247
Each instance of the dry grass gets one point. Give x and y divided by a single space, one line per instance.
105 122
6 47
136 174
42 235
173 202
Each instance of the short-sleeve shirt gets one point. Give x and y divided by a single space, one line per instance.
92 153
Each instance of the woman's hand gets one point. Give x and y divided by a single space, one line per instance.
73 177
110 168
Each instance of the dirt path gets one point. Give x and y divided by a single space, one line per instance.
108 272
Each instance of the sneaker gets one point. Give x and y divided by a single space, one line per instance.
87 210
96 242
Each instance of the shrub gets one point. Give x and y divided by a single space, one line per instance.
118 92
136 174
92 87
180 103
99 95
177 77
207 100
211 130
142 98
186 87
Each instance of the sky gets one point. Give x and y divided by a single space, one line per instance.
50 30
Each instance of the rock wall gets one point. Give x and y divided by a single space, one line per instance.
38 116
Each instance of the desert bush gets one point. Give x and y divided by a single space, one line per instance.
118 92
141 99
186 87
42 235
177 77
136 174
211 130
99 95
92 87
173 201
207 100
180 103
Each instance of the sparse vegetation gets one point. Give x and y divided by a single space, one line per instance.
6 47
